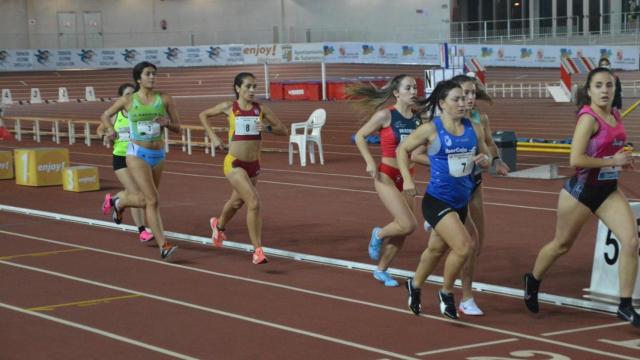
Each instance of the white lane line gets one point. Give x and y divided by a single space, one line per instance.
98 332
330 296
488 343
213 311
571 331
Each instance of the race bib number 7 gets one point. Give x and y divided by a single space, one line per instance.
247 125
460 164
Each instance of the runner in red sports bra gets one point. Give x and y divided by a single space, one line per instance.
394 124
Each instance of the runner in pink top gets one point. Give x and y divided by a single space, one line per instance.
598 154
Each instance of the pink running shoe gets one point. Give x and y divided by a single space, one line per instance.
106 204
217 236
146 235
258 257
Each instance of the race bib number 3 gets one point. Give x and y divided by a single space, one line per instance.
148 129
460 164
247 125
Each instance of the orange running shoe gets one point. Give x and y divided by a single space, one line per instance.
258 257
217 236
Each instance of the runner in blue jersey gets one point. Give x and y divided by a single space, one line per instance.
454 149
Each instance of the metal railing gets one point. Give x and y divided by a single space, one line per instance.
613 29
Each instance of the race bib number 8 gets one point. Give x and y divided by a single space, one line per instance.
148 129
460 164
247 125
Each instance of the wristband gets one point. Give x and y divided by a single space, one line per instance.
269 128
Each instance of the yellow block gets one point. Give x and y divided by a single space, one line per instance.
81 178
40 166
6 165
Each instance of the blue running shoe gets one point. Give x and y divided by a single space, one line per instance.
375 244
385 278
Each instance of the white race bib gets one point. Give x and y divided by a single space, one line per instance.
247 125
123 134
403 136
609 172
460 164
148 129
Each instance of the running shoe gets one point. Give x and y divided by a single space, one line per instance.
217 236
375 244
414 297
167 250
385 278
469 307
531 286
258 256
107 204
627 313
447 305
146 235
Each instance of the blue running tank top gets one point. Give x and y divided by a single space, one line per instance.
452 164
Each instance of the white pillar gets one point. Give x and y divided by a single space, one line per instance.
614 22
569 17
585 18
554 16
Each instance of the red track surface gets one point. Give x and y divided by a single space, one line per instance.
194 306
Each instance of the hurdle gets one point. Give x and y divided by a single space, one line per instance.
473 65
569 66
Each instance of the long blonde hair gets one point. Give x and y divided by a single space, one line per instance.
369 98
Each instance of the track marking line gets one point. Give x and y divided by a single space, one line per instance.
213 311
98 332
325 295
589 328
488 343
82 303
45 253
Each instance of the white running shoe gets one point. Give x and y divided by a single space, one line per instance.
469 307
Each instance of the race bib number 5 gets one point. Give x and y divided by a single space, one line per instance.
460 164
247 125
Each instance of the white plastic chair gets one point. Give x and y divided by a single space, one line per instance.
310 135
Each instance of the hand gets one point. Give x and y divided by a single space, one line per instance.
110 134
372 170
482 160
409 188
623 158
501 167
215 140
163 121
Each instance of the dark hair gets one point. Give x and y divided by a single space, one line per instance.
481 93
137 72
124 87
370 98
604 60
430 104
583 97
237 81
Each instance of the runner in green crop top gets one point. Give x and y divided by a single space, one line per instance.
143 126
149 111
120 144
